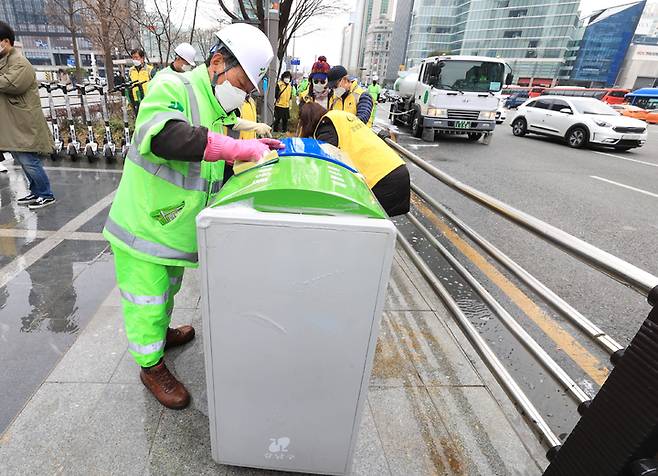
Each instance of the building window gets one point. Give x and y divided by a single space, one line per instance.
521 12
512 34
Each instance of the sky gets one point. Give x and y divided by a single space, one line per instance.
325 35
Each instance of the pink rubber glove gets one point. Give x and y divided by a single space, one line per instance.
221 147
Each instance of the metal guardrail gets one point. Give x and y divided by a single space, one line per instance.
594 446
618 269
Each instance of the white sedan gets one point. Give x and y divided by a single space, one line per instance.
580 121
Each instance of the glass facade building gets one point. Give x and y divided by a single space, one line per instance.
605 44
45 45
535 37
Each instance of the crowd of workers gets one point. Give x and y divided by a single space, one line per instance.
192 123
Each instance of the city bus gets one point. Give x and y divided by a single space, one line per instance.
646 98
607 95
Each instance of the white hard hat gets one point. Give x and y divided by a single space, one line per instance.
251 49
375 78
187 52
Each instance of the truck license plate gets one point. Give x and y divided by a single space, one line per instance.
462 124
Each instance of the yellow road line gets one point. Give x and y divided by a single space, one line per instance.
564 340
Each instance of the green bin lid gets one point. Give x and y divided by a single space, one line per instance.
308 177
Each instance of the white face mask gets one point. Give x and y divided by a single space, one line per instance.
137 62
186 67
286 80
229 97
339 91
319 87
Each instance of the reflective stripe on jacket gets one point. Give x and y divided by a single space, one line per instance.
371 156
155 207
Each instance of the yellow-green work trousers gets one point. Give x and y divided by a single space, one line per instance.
147 296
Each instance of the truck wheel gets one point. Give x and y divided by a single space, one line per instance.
577 137
519 127
473 136
416 127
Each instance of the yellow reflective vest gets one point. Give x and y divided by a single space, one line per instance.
371 155
285 93
350 102
248 113
141 74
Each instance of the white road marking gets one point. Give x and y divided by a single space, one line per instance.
651 194
625 158
416 146
18 264
43 234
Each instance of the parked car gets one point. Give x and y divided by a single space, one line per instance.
516 99
631 111
580 121
652 116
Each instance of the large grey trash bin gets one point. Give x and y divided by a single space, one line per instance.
291 311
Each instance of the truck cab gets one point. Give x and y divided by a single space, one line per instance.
451 94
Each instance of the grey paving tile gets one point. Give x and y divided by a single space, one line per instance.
190 293
97 352
415 440
73 428
402 294
419 282
11 247
392 366
369 458
182 446
512 414
432 349
480 430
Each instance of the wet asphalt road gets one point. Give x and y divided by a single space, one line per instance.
547 179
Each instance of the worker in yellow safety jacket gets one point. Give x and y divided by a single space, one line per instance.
384 171
141 72
283 95
346 95
174 168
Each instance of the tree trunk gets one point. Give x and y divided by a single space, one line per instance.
76 56
107 51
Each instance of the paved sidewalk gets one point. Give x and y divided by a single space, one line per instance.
433 408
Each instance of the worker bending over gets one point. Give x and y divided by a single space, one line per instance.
174 168
385 172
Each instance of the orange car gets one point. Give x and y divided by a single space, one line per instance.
652 116
631 111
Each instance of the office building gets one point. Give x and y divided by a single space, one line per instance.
605 43
533 36
398 44
378 49
640 68
46 44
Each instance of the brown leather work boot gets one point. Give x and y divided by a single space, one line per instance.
179 336
164 386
